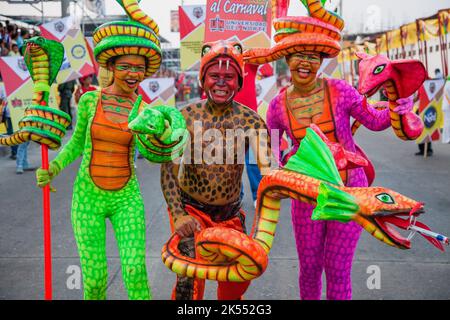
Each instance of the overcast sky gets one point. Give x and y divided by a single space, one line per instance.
359 15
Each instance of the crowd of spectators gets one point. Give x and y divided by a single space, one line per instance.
12 37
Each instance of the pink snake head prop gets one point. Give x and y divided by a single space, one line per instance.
375 71
400 78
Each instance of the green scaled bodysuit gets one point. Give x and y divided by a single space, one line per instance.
91 206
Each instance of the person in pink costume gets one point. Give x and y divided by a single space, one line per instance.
330 104
327 245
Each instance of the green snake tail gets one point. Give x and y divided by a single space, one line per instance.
41 124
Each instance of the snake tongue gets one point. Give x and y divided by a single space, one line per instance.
432 240
405 225
386 223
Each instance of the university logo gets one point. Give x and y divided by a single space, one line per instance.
16 103
153 86
59 26
21 64
430 117
258 89
78 51
217 24
197 12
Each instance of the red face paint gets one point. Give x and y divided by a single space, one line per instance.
221 82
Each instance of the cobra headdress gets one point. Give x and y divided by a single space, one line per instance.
138 36
320 32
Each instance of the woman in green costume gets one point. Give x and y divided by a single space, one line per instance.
106 184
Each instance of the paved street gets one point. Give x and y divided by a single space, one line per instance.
420 273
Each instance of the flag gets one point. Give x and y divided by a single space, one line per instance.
19 87
192 32
330 68
266 90
77 61
430 109
158 91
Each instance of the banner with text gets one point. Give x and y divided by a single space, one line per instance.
249 21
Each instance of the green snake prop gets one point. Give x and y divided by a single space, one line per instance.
41 123
160 131
310 176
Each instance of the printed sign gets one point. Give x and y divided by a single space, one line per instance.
249 21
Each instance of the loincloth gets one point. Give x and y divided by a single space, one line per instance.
216 213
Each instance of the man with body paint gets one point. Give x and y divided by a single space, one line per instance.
203 190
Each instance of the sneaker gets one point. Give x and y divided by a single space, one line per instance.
13 157
418 153
30 169
19 171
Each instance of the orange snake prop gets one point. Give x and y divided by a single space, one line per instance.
321 32
310 176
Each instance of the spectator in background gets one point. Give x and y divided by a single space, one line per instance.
7 120
84 86
10 31
3 50
2 31
22 159
65 93
247 96
23 35
14 50
438 74
20 152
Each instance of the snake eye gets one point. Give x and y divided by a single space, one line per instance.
238 47
205 50
385 198
379 69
